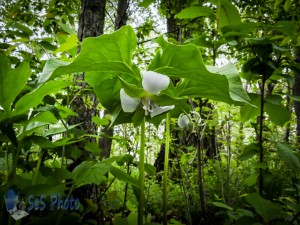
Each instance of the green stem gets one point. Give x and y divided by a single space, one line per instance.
61 212
166 165
7 163
37 167
141 175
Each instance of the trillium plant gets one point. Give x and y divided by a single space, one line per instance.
153 83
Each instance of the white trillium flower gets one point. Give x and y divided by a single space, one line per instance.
183 121
153 83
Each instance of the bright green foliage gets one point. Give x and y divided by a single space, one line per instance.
195 11
266 209
285 153
11 81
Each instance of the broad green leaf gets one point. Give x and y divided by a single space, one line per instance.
89 172
185 61
236 90
195 11
287 5
107 89
178 61
251 180
58 130
66 28
274 99
131 89
93 148
249 151
229 14
267 209
40 141
285 153
22 28
278 114
35 97
71 42
49 68
11 81
240 29
121 175
248 111
295 98
106 53
288 28
222 205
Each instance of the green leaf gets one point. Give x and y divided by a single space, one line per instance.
121 175
49 68
131 89
22 28
146 3
58 130
66 28
195 11
248 111
287 5
274 99
295 98
229 15
251 180
278 114
249 151
71 42
11 81
93 148
106 53
222 205
185 61
89 172
35 97
268 210
40 141
236 90
285 153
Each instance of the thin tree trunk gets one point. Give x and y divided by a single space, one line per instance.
122 15
91 24
296 92
105 141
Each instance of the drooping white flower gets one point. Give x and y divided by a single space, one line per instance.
153 83
183 121
128 103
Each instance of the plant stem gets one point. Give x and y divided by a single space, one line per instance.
166 165
141 175
261 154
38 167
228 158
61 212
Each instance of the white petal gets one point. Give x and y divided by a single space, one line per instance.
154 82
128 103
160 109
183 121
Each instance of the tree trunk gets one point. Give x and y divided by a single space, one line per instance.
105 141
296 92
122 15
91 24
